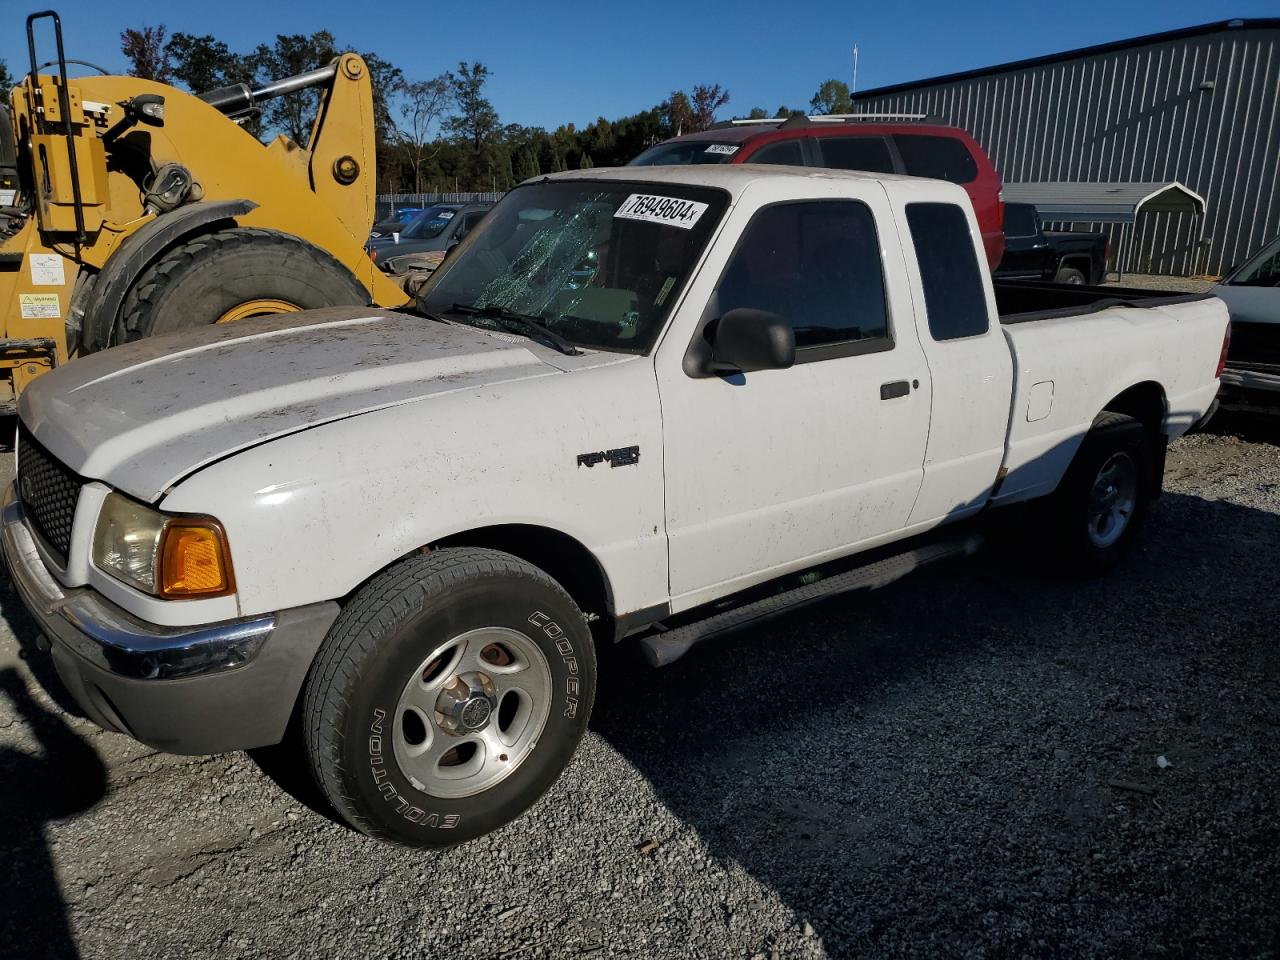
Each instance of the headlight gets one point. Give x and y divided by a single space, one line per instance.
162 555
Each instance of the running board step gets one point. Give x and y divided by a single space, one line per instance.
661 649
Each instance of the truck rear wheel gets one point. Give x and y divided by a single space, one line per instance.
1102 500
1069 275
231 275
448 696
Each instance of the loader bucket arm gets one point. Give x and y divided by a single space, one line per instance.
343 146
342 151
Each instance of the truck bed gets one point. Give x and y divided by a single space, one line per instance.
1024 301
1092 344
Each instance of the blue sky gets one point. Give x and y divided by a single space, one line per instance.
557 62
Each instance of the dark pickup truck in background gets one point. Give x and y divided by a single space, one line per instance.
1032 254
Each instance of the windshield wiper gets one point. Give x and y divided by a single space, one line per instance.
532 326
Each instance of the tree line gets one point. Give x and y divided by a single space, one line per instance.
437 134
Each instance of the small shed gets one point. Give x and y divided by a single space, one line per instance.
1068 202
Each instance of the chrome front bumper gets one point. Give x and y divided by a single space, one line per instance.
197 689
106 635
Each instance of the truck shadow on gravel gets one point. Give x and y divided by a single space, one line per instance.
966 762
63 778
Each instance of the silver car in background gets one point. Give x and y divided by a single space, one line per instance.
1252 293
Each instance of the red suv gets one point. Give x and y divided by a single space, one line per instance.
878 143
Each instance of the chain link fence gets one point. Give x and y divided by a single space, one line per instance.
389 203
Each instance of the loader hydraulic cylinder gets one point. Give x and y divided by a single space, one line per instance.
238 100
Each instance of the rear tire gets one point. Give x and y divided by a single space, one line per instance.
1069 275
448 696
233 274
1102 501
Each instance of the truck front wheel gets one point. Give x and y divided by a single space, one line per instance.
448 696
1102 500
232 275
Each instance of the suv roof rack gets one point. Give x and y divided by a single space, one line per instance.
800 120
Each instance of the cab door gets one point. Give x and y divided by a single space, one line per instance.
774 470
971 365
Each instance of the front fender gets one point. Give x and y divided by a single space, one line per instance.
313 515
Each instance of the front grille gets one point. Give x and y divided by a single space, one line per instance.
48 491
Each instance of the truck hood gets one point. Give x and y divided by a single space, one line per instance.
143 416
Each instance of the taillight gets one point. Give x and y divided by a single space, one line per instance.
1226 345
373 254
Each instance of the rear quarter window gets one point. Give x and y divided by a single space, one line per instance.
940 158
949 273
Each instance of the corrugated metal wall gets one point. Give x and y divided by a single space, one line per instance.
1140 113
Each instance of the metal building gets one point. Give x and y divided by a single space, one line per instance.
1197 105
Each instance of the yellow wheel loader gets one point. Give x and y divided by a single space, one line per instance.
130 208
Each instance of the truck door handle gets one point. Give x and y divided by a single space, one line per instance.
894 389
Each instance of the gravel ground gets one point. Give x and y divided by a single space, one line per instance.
927 771
1153 281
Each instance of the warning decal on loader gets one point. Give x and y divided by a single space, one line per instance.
39 306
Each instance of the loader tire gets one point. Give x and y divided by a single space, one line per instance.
232 275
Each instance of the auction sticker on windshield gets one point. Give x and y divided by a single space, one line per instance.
728 149
671 211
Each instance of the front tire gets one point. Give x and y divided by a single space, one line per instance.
448 696
1102 500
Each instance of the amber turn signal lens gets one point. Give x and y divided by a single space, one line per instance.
194 560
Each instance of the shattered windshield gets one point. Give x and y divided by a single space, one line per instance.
597 263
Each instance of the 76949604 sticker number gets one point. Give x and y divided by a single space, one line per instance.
672 211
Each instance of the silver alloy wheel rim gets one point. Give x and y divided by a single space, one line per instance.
455 743
1113 499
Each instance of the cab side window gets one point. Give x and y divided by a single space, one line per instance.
1020 220
953 295
817 264
469 222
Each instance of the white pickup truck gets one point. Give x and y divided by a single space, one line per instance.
627 395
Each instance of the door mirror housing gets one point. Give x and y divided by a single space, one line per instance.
745 340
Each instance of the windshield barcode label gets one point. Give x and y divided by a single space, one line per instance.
728 149
672 211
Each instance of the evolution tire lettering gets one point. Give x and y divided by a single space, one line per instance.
572 685
617 457
378 768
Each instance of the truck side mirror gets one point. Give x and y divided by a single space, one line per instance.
745 340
